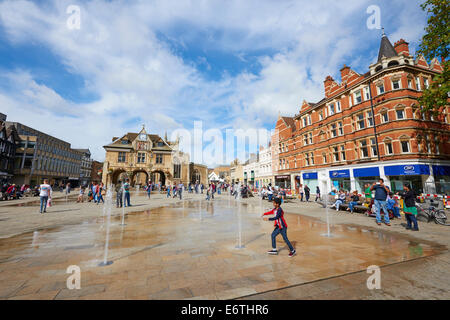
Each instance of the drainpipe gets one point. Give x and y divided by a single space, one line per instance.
374 124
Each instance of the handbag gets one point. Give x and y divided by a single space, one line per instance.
49 202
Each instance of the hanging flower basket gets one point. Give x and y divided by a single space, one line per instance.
110 171
100 172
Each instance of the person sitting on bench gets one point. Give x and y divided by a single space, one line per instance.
354 202
340 200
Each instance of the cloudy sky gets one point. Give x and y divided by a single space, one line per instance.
231 64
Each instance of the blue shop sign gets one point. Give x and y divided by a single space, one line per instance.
366 172
407 170
441 170
310 176
340 174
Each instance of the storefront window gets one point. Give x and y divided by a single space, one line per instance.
415 182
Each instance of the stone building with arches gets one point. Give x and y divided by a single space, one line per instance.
142 157
368 126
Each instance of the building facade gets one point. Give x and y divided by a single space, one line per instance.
369 126
223 173
86 166
236 172
264 175
251 171
9 140
142 157
40 156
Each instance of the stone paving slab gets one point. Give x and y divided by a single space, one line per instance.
187 251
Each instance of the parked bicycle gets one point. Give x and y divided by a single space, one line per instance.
432 213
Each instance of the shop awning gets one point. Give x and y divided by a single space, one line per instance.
407 170
366 172
340 174
310 176
441 170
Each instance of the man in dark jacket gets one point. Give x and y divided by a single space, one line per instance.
381 193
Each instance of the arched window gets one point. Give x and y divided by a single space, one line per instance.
405 146
393 63
378 68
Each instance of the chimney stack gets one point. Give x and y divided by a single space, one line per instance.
402 47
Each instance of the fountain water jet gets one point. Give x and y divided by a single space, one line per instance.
328 234
239 219
108 205
123 205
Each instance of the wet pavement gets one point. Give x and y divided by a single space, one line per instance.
188 251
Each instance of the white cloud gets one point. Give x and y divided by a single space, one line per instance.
137 76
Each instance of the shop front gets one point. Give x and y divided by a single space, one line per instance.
283 181
365 176
340 179
442 179
413 174
310 179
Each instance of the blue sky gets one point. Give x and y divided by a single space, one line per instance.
231 64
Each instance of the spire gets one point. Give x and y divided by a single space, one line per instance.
165 136
386 48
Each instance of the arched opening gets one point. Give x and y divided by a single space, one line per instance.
119 175
393 63
158 177
196 177
139 178
378 68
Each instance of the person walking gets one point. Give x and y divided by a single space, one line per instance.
126 189
270 192
280 227
317 193
101 192
381 193
301 191
409 207
45 193
149 188
168 191
307 193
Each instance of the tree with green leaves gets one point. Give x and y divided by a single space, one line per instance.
436 43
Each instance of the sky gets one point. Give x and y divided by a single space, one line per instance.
230 64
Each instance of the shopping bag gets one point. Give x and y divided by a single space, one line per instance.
49 202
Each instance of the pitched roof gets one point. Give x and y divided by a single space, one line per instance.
290 122
131 136
386 48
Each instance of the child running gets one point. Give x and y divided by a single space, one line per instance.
280 227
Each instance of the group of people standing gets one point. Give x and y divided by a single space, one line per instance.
306 192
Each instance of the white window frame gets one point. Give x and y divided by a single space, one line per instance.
366 93
358 94
399 84
408 145
403 114
418 85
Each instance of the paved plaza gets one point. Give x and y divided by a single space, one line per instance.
172 249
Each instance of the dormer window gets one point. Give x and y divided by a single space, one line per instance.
124 141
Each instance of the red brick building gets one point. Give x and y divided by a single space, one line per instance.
368 126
